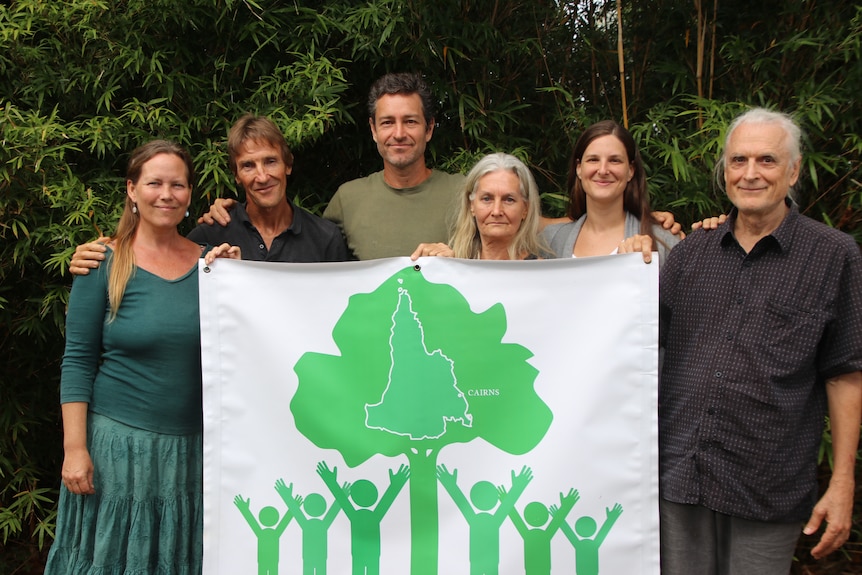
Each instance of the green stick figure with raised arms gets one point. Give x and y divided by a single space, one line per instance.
537 541
484 525
364 521
267 535
314 529
586 546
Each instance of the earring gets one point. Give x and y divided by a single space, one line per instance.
187 213
134 208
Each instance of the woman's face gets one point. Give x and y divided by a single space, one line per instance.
162 192
605 169
498 205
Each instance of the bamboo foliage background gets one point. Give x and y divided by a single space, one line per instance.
82 82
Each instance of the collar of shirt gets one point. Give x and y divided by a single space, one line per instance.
295 227
779 239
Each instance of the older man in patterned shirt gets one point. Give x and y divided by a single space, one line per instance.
761 321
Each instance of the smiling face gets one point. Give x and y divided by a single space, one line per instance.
498 206
162 192
605 170
400 130
759 170
261 171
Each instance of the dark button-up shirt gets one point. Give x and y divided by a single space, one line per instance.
308 239
749 341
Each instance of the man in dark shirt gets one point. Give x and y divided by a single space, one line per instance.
268 227
761 322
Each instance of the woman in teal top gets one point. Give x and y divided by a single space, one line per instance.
130 501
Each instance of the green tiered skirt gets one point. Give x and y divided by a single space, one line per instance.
146 517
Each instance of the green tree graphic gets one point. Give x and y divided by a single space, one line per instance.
418 370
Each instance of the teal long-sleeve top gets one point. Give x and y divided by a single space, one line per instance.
144 367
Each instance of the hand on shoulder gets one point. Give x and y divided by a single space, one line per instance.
668 222
88 256
219 212
710 223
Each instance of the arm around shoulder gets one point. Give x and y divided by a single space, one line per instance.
219 212
88 256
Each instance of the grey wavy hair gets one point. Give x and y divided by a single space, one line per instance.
763 116
466 241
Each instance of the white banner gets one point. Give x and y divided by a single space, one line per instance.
438 417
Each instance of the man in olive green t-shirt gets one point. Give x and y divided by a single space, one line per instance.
392 211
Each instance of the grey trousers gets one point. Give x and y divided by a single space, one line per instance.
698 541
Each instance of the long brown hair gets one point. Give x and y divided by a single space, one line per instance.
123 264
635 197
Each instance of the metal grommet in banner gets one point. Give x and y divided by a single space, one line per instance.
206 269
417 267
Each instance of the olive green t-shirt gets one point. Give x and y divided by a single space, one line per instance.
379 221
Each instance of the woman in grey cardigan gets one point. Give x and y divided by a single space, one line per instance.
608 200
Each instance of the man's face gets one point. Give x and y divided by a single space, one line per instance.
400 130
758 171
261 171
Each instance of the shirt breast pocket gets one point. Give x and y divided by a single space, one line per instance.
791 337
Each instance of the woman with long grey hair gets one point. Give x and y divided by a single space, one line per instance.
498 214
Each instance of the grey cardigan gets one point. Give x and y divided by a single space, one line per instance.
562 237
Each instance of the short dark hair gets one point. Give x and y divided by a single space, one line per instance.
257 129
406 84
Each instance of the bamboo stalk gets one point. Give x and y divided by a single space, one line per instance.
622 65
701 38
712 48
